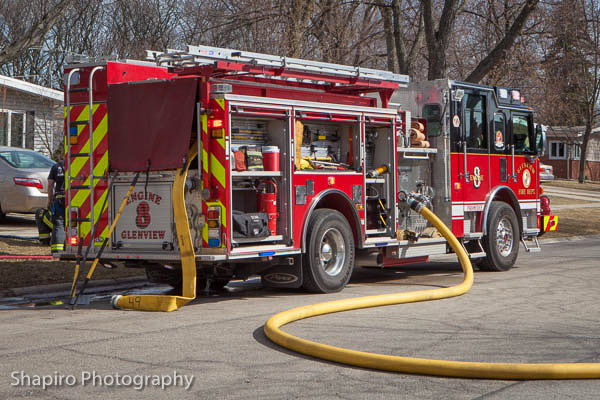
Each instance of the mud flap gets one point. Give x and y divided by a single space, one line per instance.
284 276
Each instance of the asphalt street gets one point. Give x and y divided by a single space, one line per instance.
543 310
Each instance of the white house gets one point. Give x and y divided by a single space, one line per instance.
31 116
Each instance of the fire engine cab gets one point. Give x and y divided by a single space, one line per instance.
297 170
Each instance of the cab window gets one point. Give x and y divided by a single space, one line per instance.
475 127
499 135
432 113
520 134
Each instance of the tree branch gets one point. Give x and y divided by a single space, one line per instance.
36 34
504 45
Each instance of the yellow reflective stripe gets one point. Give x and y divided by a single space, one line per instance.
547 219
57 246
204 160
221 141
78 163
48 222
98 134
217 169
44 235
204 155
99 169
223 214
221 103
204 119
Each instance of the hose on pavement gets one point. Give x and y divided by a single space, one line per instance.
460 369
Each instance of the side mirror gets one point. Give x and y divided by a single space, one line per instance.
540 140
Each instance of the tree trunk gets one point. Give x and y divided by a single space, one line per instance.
584 146
388 31
438 40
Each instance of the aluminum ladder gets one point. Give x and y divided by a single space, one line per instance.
72 127
198 55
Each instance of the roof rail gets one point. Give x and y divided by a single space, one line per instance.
198 55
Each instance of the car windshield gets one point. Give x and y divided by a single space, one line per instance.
26 159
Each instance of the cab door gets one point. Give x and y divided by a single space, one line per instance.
476 134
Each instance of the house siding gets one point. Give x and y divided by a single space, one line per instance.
47 117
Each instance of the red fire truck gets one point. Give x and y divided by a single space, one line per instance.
303 167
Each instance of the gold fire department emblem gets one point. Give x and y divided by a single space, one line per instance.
526 178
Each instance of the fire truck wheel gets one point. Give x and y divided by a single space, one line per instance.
157 273
215 284
329 259
501 244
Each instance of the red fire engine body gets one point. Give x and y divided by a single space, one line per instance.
303 168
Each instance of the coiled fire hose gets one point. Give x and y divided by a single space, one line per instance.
155 302
459 369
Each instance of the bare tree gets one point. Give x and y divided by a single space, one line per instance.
438 38
36 32
590 68
404 33
498 52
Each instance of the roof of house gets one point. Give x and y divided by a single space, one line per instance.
31 88
568 131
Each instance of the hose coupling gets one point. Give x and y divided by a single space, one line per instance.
114 301
415 204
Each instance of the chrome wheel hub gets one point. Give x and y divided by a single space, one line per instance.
332 252
504 237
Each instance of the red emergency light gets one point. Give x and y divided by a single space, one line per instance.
217 123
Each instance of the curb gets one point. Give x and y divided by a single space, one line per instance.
568 239
63 289
18 237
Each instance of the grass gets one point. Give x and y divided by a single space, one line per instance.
565 184
576 222
23 273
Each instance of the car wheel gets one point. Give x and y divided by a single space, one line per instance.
329 260
501 244
2 215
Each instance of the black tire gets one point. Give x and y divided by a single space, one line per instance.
157 273
501 244
329 259
216 284
2 215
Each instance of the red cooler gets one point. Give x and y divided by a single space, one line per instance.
270 158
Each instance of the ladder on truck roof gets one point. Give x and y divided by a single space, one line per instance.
199 55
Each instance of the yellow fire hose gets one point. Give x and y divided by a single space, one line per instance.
459 369
154 302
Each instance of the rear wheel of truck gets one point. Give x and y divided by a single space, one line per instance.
501 244
158 273
216 284
329 259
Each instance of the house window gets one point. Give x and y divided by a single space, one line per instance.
4 128
12 128
557 151
575 151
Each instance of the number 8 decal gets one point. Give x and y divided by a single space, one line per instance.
142 220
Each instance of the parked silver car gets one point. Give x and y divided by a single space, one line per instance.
546 173
23 180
